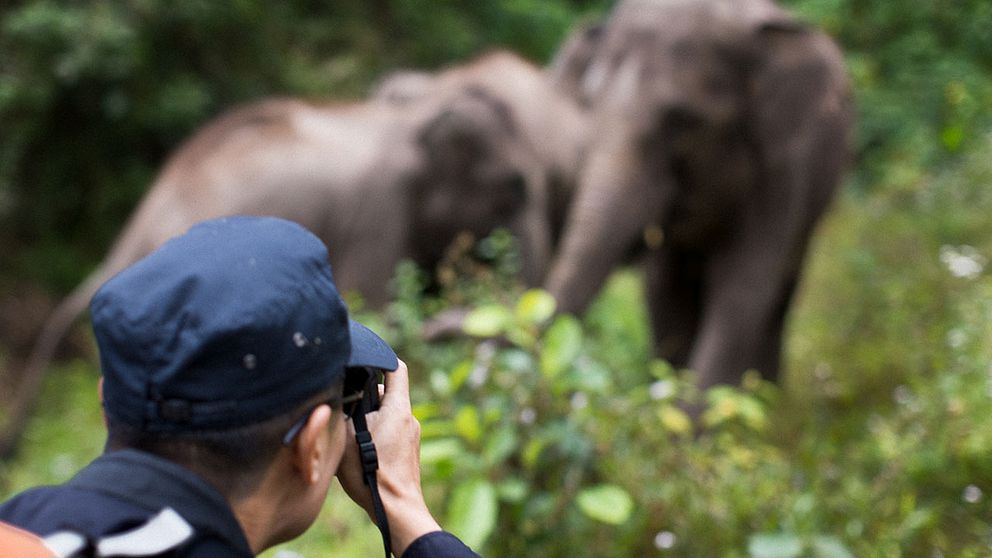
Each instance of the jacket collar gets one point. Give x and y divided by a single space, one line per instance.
154 483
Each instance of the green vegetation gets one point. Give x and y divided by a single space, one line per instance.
565 438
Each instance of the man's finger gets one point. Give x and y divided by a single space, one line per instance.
397 387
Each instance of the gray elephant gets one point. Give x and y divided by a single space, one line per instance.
723 130
378 182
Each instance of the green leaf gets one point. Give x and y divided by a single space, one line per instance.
500 445
535 307
661 369
752 412
487 321
532 452
437 428
426 411
467 423
460 373
774 545
591 377
675 420
562 344
952 137
472 512
513 490
435 451
607 503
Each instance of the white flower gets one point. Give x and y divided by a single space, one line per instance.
664 540
662 389
962 261
972 494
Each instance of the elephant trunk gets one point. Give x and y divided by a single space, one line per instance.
616 202
532 228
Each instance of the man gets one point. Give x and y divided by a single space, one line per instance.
223 356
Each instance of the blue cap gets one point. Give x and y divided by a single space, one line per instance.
234 322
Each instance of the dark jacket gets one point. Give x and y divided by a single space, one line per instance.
124 498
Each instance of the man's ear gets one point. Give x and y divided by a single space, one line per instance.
311 445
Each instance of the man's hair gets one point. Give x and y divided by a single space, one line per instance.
232 460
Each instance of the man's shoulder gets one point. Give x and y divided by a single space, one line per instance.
45 508
138 509
72 519
52 509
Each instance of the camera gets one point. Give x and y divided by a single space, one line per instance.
361 389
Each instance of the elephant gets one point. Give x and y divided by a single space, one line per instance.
377 182
723 132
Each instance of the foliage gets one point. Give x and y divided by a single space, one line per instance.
922 71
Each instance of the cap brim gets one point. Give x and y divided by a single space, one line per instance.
368 349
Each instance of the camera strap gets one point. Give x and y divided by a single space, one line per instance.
370 464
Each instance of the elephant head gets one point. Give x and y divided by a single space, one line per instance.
476 176
503 136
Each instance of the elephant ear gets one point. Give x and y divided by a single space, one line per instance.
571 63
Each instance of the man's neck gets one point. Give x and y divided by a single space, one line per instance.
271 515
257 520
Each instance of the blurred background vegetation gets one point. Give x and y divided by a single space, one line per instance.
568 441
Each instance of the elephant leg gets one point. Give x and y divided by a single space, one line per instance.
673 295
768 357
747 288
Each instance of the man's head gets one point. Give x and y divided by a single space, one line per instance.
216 343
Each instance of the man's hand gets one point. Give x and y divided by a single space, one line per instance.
396 434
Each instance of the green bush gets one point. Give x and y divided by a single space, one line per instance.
922 72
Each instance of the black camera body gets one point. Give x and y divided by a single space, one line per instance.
366 381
